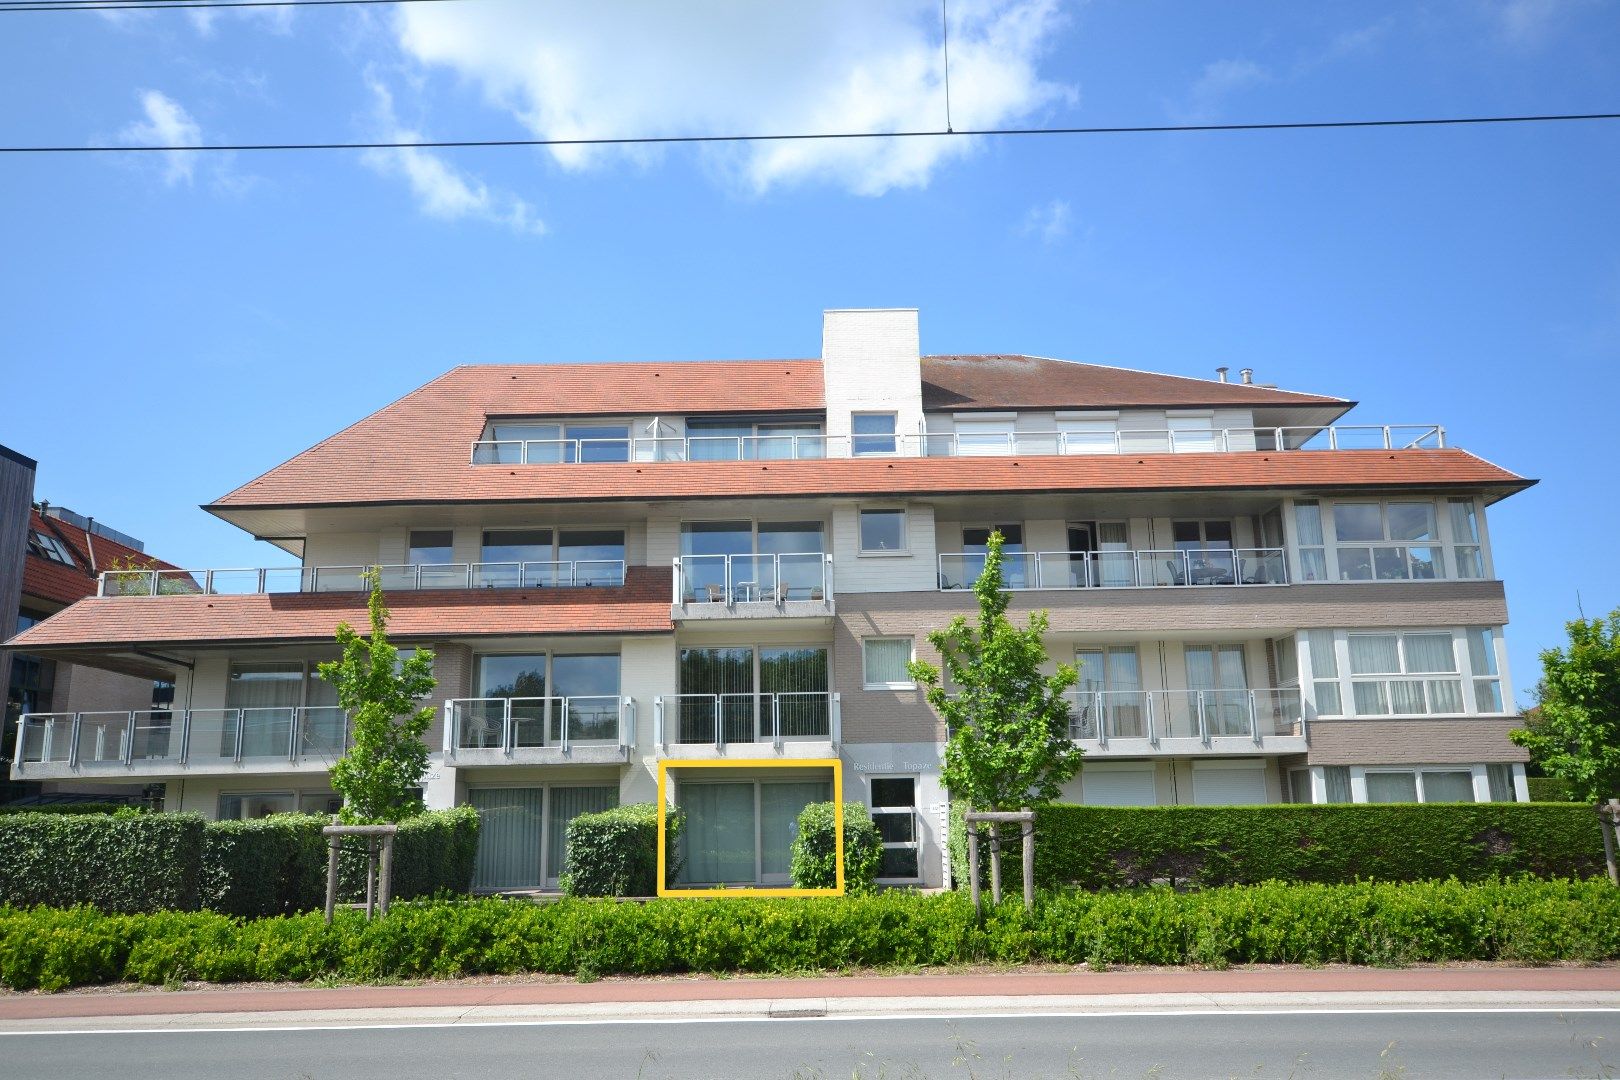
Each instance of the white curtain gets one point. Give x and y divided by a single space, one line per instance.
1391 787
508 837
1374 654
779 807
886 660
567 803
1448 787
1430 652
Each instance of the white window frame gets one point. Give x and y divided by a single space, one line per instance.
1461 658
883 553
854 437
1464 691
866 680
915 844
1438 509
1477 773
549 875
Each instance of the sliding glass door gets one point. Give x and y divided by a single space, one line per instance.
741 832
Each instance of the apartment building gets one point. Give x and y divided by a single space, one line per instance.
619 565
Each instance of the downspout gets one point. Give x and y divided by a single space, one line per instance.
90 543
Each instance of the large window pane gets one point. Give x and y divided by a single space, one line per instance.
593 675
780 805
874 433
883 530
515 546
429 547
1374 654
1501 781
1481 650
719 835
512 676
1411 521
1430 652
717 538
1448 786
791 537
1392 787
717 440
1358 521
1338 783
886 660
508 837
594 553
600 442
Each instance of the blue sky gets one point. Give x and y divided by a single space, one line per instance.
172 328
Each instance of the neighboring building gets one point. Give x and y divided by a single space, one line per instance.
619 564
58 564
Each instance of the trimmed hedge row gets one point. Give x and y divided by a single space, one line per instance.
143 862
1549 789
615 852
71 808
814 853
1525 921
124 862
1102 847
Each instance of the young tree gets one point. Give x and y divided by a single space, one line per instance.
382 695
1576 734
1009 723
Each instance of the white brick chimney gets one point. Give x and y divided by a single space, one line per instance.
871 363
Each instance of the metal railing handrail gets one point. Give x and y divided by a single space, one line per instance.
235 722
1103 569
550 708
1225 439
1158 713
409 577
757 716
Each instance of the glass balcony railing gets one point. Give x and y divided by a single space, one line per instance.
1204 715
723 719
195 738
1121 569
535 723
409 577
949 444
753 579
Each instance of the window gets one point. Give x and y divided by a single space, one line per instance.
979 437
522 831
1338 783
1308 533
743 561
1420 785
883 531
886 660
1324 672
1500 778
48 547
593 556
1089 436
1191 434
873 433
597 442
1391 674
743 439
752 694
1482 664
1110 693
1299 785
541 442
1017 569
430 547
894 812
1466 550
1219 673
544 558
537 684
1393 541
741 833
245 806
429 555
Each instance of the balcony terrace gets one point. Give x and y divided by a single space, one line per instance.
1148 568
1124 723
753 586
801 724
710 448
596 729
408 577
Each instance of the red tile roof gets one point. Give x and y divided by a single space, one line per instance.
427 435
360 483
55 582
641 606
1037 382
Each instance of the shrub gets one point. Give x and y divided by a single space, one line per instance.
434 852
71 808
1099 847
1523 920
814 852
128 861
1549 789
269 866
615 852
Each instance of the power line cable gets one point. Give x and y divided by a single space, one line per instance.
13 6
656 140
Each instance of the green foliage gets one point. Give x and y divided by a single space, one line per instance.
1549 789
435 852
815 855
1576 735
268 866
1107 847
71 808
1525 921
383 697
127 861
1009 723
615 852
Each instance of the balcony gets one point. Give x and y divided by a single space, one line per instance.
1120 569
1126 722
159 742
753 586
595 729
1003 444
409 577
804 724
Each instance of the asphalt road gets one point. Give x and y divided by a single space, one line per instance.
1415 1045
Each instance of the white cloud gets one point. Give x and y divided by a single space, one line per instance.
442 190
166 123
1050 221
1530 22
1218 82
650 68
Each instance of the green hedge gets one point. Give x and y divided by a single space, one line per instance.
814 864
125 862
1100 847
136 861
1526 920
1549 789
71 808
615 852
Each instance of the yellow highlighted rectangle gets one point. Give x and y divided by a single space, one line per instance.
837 767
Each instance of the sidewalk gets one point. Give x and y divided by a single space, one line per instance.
672 999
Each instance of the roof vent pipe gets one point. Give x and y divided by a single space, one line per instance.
1247 375
1220 373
